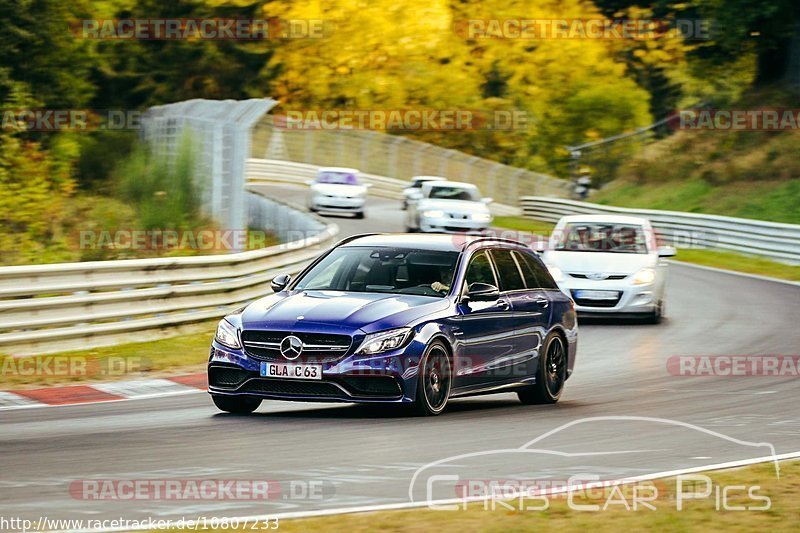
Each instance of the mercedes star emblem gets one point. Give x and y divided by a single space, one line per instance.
291 347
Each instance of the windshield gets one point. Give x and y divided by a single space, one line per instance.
455 193
382 269
602 237
338 178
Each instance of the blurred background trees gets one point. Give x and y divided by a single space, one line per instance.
377 54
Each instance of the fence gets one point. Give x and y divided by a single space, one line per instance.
399 158
220 133
755 237
46 308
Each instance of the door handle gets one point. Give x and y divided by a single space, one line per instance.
503 305
542 302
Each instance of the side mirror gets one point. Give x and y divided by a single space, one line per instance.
666 251
487 200
280 282
368 185
482 292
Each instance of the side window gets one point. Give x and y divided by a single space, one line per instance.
536 274
510 280
480 270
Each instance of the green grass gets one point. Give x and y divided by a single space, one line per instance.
740 263
697 515
537 227
777 201
174 355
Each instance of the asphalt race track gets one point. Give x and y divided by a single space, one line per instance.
368 456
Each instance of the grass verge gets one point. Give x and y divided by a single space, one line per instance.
702 514
173 355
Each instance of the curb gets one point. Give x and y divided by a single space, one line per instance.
113 391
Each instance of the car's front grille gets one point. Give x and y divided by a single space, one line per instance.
587 302
317 347
612 277
315 389
226 377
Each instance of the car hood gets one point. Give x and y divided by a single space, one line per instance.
347 311
452 206
612 263
337 189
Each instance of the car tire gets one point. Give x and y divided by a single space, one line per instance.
434 380
550 374
236 404
360 214
657 314
403 206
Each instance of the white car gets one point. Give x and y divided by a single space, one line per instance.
609 265
338 190
448 206
411 193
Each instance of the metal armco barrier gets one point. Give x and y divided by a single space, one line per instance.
279 171
688 230
47 308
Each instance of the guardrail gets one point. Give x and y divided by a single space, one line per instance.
46 308
279 171
688 230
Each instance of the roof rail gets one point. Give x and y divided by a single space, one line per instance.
354 237
496 239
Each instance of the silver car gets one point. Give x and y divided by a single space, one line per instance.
449 206
609 265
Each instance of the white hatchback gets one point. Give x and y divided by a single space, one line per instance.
449 206
609 265
338 190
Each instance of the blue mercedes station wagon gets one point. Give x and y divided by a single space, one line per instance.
404 319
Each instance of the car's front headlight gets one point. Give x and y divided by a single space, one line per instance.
481 217
227 335
644 276
433 214
556 273
384 341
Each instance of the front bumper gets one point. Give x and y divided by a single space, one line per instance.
451 225
338 203
630 300
385 378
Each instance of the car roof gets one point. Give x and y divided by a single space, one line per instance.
338 169
430 241
609 219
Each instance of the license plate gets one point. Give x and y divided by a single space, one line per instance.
291 371
597 295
